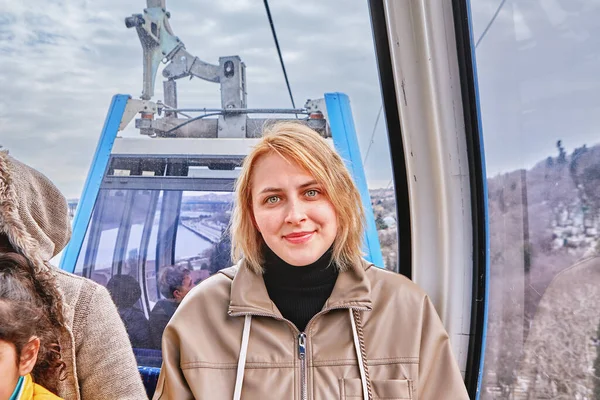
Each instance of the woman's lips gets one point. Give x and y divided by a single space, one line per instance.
299 237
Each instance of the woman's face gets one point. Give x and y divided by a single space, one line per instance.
291 211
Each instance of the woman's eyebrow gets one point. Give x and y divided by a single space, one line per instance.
277 190
307 184
270 190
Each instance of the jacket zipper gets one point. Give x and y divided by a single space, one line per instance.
301 341
302 357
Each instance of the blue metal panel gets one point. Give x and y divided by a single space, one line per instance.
93 181
485 199
343 131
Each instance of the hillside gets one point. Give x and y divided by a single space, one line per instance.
542 221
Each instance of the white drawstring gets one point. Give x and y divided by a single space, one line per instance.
237 393
361 365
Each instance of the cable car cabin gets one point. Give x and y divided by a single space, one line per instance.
501 248
162 202
155 209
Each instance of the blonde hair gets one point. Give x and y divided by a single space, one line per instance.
300 144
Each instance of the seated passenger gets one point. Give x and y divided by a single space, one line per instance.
302 314
34 222
125 292
30 359
174 283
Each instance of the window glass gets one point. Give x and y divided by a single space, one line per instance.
95 260
145 302
537 65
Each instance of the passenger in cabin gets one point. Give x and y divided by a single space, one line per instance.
126 293
174 283
34 222
302 314
30 310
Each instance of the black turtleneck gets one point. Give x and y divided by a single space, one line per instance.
299 292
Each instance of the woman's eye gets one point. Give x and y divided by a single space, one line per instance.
272 200
312 193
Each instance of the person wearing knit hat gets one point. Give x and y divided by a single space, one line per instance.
94 345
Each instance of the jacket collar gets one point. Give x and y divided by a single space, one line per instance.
249 294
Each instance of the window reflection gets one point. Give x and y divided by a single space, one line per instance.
132 232
202 239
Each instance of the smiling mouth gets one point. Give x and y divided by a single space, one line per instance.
300 237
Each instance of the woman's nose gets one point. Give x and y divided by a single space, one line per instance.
295 213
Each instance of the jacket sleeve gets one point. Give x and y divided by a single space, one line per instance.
439 375
106 366
171 382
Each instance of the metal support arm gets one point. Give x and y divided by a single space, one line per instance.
184 64
160 44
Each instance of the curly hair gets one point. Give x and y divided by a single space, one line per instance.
30 305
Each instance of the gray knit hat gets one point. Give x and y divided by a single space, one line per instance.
33 213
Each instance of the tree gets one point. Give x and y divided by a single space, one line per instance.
577 153
558 356
562 154
590 178
380 223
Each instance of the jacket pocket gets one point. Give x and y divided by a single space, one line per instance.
393 389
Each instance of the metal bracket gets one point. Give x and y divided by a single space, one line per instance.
135 106
157 39
184 64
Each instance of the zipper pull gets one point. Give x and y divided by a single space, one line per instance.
302 346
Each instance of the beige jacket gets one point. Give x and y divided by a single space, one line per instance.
95 346
378 333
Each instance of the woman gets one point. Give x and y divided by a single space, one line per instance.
302 315
94 346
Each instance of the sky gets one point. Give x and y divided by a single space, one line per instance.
538 80
62 61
